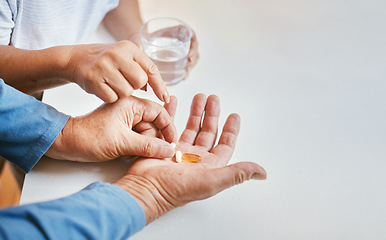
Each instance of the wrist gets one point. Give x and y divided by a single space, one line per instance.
59 148
58 61
146 194
68 64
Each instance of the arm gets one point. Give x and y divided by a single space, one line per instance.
27 127
125 21
110 71
26 70
32 71
100 211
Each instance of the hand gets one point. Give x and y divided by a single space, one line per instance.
126 127
193 55
112 71
161 185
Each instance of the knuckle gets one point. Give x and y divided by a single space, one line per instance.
127 44
152 68
240 177
140 80
110 98
148 148
229 139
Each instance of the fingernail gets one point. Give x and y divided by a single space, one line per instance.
259 176
166 97
262 175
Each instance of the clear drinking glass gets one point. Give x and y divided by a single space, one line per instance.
167 42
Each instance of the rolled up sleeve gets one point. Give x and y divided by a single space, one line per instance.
100 211
27 127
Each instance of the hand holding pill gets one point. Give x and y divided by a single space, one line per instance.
161 185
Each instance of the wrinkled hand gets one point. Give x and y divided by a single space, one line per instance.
112 71
123 128
161 185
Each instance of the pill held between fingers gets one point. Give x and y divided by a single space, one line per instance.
178 156
173 145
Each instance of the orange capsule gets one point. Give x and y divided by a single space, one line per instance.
190 158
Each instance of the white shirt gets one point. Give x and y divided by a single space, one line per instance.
38 24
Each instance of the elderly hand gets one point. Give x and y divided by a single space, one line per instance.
126 127
161 185
112 71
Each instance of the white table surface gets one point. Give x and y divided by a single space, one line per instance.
308 79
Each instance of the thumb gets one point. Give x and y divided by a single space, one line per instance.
228 176
147 146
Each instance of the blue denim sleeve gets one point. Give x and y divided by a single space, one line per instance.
100 211
27 127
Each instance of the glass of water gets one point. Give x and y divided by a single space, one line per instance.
167 42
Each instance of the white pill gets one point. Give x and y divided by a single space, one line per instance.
173 145
178 156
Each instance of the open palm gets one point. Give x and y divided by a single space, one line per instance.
161 185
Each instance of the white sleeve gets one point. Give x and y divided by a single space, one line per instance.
7 23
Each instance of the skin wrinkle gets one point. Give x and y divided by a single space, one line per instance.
169 198
203 137
165 196
228 138
153 191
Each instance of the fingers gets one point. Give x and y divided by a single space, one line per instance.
193 125
149 129
237 173
218 179
119 84
134 74
149 147
104 92
154 77
125 67
146 128
227 141
208 133
156 114
171 107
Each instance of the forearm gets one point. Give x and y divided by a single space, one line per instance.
124 21
32 71
100 211
27 127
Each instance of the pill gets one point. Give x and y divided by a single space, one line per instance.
178 156
190 158
173 145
